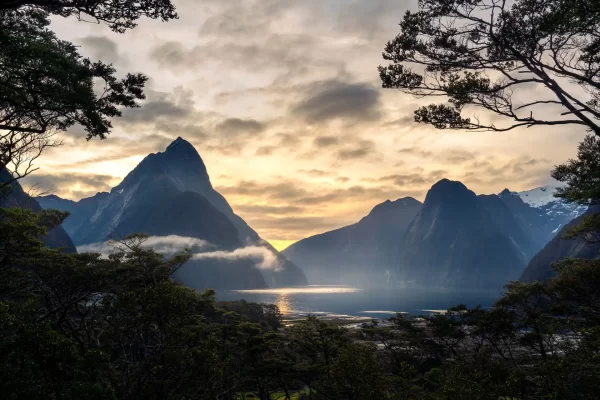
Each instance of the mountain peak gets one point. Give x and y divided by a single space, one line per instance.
450 193
407 200
388 205
180 145
447 183
540 196
448 186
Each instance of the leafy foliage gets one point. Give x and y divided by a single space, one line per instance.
47 87
83 326
479 53
118 15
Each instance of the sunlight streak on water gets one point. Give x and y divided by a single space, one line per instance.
284 304
382 312
303 290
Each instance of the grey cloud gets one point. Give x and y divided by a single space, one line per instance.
325 141
362 149
169 53
342 179
226 149
315 172
299 205
265 150
406 120
187 131
231 135
371 19
459 156
228 23
116 148
284 53
356 192
416 151
169 244
160 105
288 140
102 48
330 100
284 190
172 244
64 181
237 126
269 210
437 175
264 258
404 179
494 172
297 192
301 223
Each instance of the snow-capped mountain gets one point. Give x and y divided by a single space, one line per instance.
543 199
561 215
538 197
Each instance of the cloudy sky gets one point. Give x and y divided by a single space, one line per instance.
283 101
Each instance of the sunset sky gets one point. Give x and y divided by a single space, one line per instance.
282 99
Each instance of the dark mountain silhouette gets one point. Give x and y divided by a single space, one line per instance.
460 240
540 267
170 193
501 218
454 239
15 196
364 250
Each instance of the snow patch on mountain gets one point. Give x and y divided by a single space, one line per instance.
543 198
539 197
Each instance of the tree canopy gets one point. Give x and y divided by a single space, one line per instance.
119 15
482 55
119 327
46 86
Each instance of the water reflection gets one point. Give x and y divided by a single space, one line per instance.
375 302
291 300
303 290
283 303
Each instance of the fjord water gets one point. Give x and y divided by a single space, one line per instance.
376 302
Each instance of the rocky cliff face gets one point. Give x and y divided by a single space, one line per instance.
456 241
540 267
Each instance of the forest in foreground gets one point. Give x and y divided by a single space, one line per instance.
83 326
79 326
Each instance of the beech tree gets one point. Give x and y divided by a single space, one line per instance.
479 53
119 15
46 86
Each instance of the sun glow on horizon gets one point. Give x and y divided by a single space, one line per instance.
281 245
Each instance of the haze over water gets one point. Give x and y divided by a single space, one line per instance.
376 302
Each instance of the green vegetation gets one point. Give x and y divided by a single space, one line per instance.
47 87
79 326
482 54
82 326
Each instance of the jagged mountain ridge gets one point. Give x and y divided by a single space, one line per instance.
170 193
364 250
556 212
456 239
